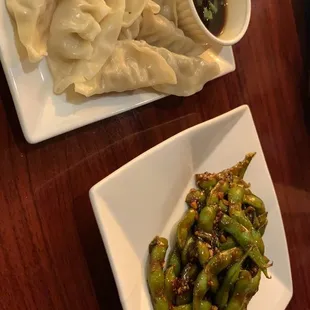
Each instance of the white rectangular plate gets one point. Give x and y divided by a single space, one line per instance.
42 114
145 198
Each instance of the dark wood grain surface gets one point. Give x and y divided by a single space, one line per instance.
51 253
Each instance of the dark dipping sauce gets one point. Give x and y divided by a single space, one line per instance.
213 14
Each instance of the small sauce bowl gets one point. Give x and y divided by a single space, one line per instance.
236 22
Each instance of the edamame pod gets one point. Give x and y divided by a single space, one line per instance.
188 250
203 252
196 199
240 168
255 202
175 261
184 227
246 241
230 279
238 298
216 264
170 283
228 244
208 213
156 278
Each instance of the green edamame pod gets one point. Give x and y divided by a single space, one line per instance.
157 250
206 305
211 239
255 202
184 298
245 239
208 213
235 198
207 217
222 206
175 261
219 190
235 195
249 211
228 244
263 221
239 181
216 264
214 284
184 227
230 279
156 278
256 223
170 283
240 168
203 252
188 276
206 181
196 199
188 250
207 237
238 298
262 229
200 289
262 218
161 303
222 260
257 237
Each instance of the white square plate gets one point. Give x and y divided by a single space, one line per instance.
145 198
42 114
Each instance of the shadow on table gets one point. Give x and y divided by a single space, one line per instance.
7 102
95 254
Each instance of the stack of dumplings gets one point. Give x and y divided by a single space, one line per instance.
102 46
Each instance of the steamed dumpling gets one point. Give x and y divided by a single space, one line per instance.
132 65
136 64
159 31
131 33
82 37
133 10
153 7
168 9
192 73
75 26
33 18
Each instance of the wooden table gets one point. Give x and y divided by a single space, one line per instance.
51 253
